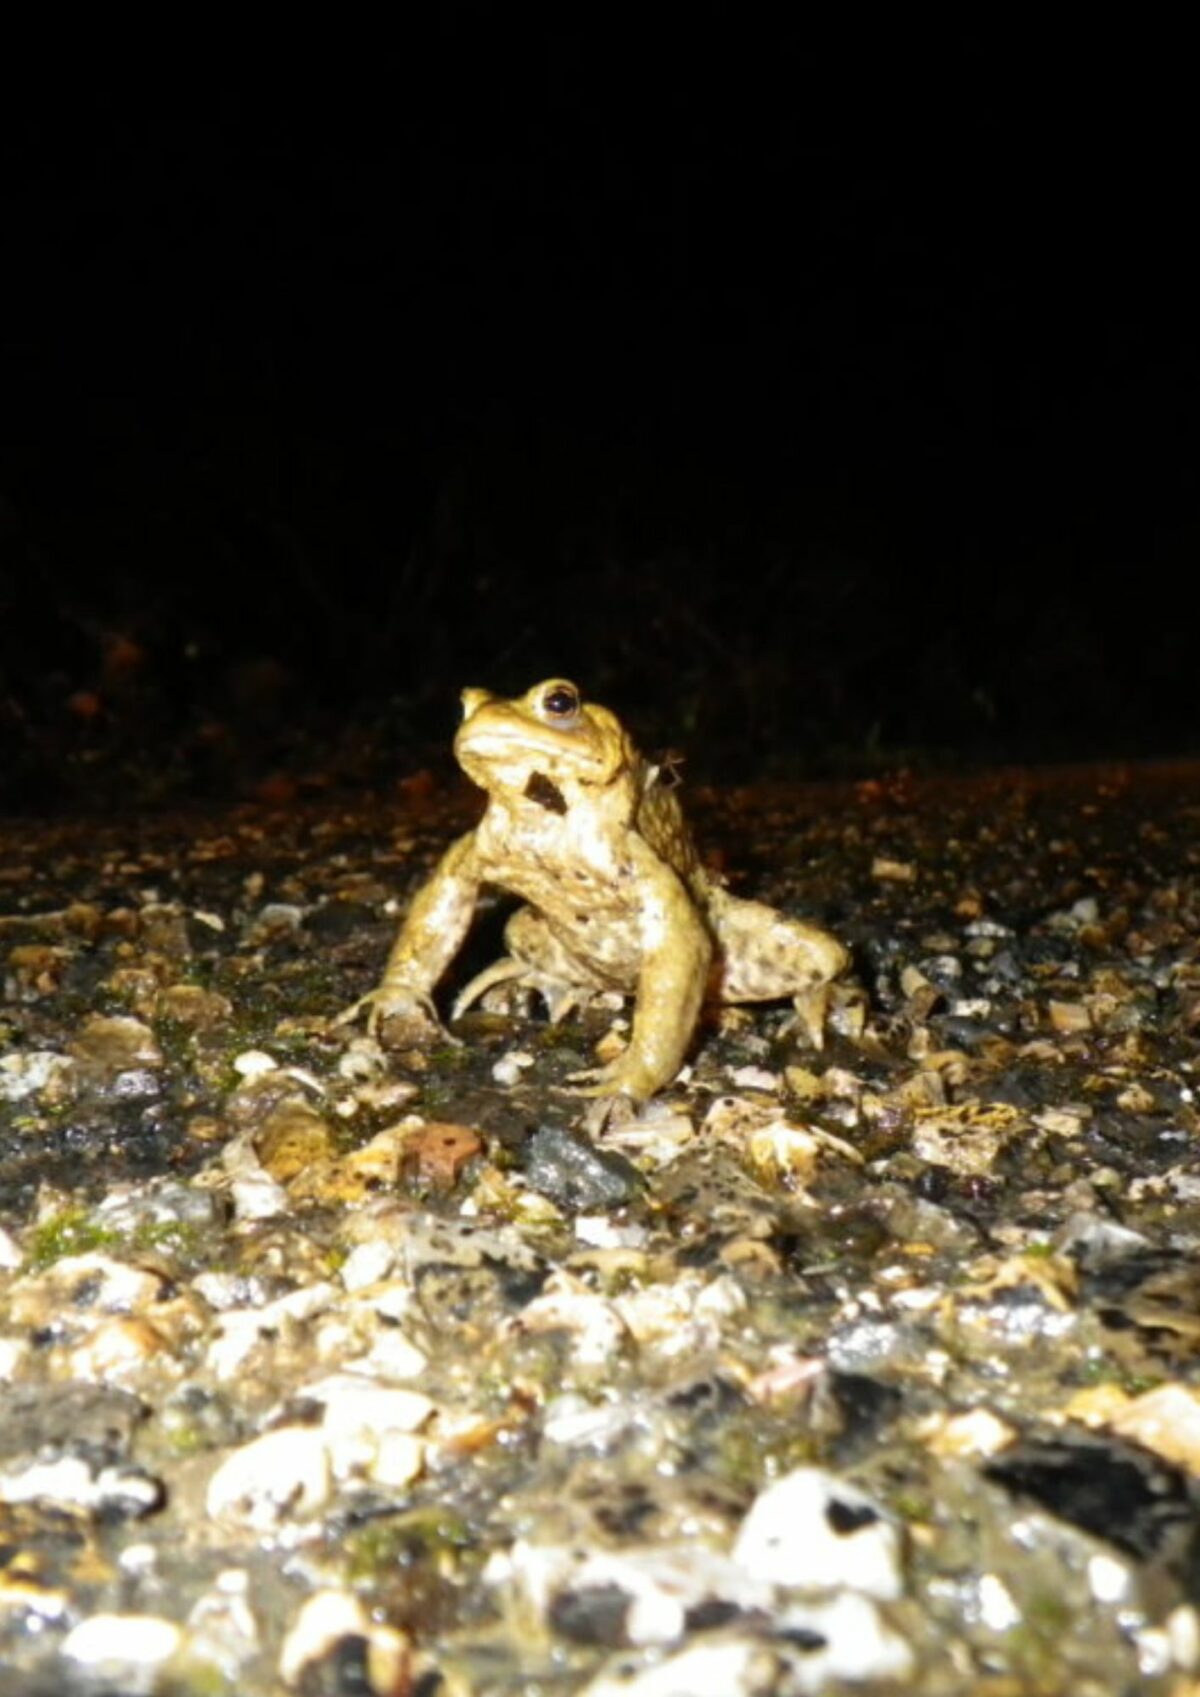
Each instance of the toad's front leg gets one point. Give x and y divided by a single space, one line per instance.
676 951
430 937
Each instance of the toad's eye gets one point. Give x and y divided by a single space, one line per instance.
561 702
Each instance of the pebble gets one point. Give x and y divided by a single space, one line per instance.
327 1625
566 1304
128 1207
256 1195
393 1356
682 1317
600 1231
508 1069
116 1493
367 1264
812 1531
844 1638
362 1059
1069 1017
784 1150
223 1632
740 1667
282 1475
116 1348
29 1074
130 1649
254 1063
658 1588
574 1173
239 1329
368 1428
577 1422
100 1284
893 871
115 1044
755 1078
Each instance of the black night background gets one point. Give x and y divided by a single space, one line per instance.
824 410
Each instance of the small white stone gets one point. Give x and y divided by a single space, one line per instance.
25 1074
369 1428
322 1622
130 1647
353 1404
755 1078
508 1068
738 1669
303 1076
812 1531
281 1475
256 1195
565 1304
399 1459
1182 1627
1109 1579
10 1255
859 1646
113 1287
394 1300
997 1609
67 1480
576 1423
600 1231
367 1263
12 1352
254 1063
239 1329
393 1356
363 1059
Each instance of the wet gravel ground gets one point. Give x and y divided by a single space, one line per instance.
336 1370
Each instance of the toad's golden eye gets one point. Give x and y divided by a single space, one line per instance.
561 702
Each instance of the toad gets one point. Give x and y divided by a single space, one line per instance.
591 836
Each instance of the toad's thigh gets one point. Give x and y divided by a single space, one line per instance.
764 954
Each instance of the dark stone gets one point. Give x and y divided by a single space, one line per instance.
845 1518
341 1673
575 1174
594 1615
1112 1491
92 1421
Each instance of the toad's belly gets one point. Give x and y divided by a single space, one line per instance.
598 944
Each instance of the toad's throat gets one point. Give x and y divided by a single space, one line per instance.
546 793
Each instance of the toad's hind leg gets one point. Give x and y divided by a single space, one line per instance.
764 956
536 960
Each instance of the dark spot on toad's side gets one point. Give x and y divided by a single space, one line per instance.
546 794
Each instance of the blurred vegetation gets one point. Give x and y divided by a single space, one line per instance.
234 614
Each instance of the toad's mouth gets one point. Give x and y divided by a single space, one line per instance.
546 793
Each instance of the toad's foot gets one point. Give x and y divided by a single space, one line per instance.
519 977
627 1076
401 1017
